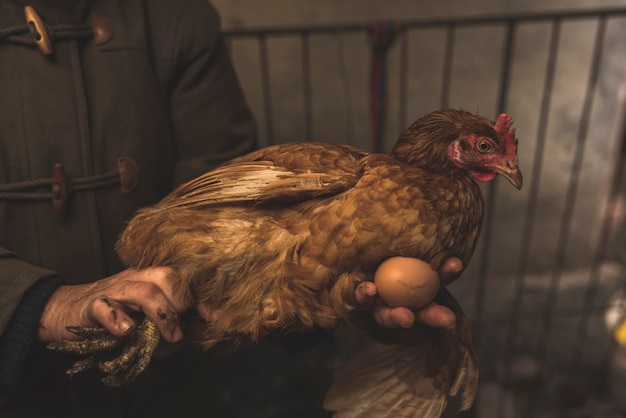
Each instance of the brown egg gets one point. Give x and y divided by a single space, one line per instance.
407 282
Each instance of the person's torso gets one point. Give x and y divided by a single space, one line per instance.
85 106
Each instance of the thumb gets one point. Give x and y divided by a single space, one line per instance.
111 315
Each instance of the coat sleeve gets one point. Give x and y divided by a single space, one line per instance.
25 291
16 277
209 116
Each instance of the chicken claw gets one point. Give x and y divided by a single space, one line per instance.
101 345
94 340
135 356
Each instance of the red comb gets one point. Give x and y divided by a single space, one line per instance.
506 133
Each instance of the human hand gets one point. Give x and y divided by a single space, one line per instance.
109 303
433 314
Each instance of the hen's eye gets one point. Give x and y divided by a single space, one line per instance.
484 147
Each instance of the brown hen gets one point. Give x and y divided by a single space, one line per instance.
277 241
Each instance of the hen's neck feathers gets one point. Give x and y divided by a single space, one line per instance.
426 142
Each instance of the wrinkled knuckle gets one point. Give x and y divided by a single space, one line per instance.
102 302
166 271
147 290
161 273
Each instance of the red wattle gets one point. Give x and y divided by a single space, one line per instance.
483 175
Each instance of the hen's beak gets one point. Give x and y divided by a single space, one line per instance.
510 171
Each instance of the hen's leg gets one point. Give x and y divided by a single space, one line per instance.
99 344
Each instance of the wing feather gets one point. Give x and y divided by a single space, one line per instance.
257 182
369 385
406 373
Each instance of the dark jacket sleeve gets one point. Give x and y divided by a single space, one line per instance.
210 119
26 289
16 277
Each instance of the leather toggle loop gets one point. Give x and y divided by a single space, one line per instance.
39 31
60 190
129 174
102 29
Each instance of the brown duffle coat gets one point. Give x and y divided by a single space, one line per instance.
129 98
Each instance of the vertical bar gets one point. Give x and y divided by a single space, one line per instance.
570 198
503 90
531 207
509 46
507 57
615 192
600 253
568 214
447 66
403 88
307 95
344 77
267 94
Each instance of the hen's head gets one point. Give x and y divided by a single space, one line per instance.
449 141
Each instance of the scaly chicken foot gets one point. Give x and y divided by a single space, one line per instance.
99 344
94 340
135 356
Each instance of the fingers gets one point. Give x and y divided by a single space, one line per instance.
366 293
150 299
164 279
206 312
436 316
450 270
393 317
432 315
109 303
149 291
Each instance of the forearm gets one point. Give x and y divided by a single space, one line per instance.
24 290
16 278
21 331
